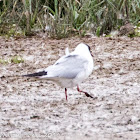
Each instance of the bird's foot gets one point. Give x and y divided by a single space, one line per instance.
90 96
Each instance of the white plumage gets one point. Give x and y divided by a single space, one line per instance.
70 70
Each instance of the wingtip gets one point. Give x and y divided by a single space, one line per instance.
24 75
27 75
37 74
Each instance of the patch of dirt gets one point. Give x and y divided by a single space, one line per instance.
38 109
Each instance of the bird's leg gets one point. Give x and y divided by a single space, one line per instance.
84 92
66 93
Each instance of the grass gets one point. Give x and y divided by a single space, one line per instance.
65 17
14 59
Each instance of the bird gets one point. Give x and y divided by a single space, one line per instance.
69 70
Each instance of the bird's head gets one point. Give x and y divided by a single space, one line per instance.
83 49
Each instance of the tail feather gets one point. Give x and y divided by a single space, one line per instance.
67 51
37 74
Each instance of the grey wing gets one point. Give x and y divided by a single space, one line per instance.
68 67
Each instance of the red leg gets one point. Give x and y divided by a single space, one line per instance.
66 93
84 92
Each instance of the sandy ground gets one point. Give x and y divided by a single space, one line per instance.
38 109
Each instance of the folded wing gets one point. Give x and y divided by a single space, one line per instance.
68 67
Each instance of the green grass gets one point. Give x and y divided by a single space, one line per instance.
14 59
66 17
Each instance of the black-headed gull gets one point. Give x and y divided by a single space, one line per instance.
70 70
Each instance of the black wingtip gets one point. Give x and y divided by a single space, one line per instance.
37 74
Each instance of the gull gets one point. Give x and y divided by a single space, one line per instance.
70 70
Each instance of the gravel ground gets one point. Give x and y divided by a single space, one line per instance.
32 109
